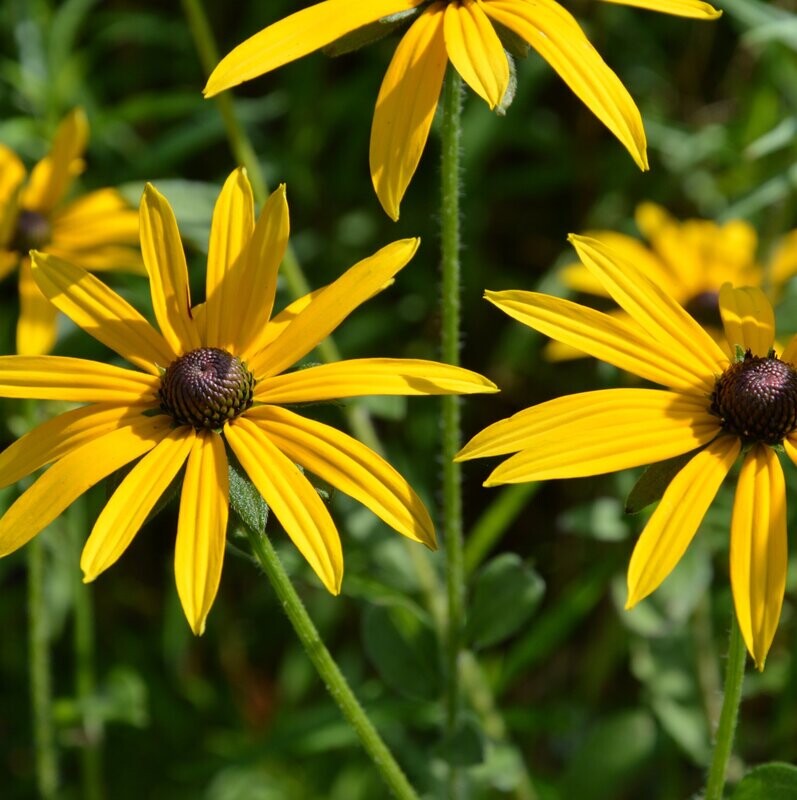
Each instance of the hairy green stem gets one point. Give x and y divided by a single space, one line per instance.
328 669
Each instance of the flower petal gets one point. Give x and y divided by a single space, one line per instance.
102 258
678 516
297 35
789 354
98 218
12 173
350 467
331 307
759 553
202 528
164 259
405 107
36 329
557 37
679 8
748 319
101 312
135 497
293 500
74 474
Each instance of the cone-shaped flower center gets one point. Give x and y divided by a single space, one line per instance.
756 398
206 387
705 308
32 232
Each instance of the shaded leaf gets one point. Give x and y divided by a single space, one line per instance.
654 481
775 781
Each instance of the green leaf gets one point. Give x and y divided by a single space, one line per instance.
367 34
655 479
464 747
245 500
506 593
774 781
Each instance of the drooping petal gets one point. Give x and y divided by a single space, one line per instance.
98 218
370 376
101 312
291 498
74 474
405 107
51 177
557 37
748 319
75 380
133 500
331 307
164 259
36 327
600 336
679 8
230 233
476 51
350 467
759 552
202 528
678 516
297 35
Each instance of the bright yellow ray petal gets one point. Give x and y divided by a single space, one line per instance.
350 467
297 35
600 336
748 319
331 307
230 231
789 354
557 37
74 379
101 312
12 173
51 177
72 475
128 508
476 51
790 446
580 412
678 516
98 218
405 107
370 376
8 262
164 258
759 552
679 8
202 528
291 498
36 327
102 258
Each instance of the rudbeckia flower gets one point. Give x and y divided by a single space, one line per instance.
212 381
95 231
472 35
716 408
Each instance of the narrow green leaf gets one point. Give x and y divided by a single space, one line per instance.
654 481
245 500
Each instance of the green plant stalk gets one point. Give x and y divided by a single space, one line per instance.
723 743
328 669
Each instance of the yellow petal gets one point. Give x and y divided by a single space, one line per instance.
8 262
600 336
557 37
476 51
405 107
331 307
74 474
580 412
168 274
789 354
293 500
790 446
101 312
679 8
74 379
102 258
202 528
135 497
98 218
783 264
759 552
370 376
678 516
230 232
36 327
51 177
297 35
12 173
748 319
350 467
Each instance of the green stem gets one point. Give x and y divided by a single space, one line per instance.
723 744
328 670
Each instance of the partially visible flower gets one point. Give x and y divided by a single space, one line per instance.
715 408
95 231
472 35
213 378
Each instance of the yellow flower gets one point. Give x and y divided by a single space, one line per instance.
213 378
469 34
96 230
714 408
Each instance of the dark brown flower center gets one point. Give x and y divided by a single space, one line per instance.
756 399
705 308
32 232
206 387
